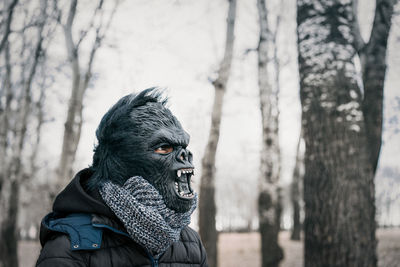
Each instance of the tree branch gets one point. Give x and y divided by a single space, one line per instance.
359 43
8 24
382 22
72 49
373 65
223 72
84 33
98 40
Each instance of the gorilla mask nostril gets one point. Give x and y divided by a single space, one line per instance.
182 155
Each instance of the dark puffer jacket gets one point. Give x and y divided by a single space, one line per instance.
83 231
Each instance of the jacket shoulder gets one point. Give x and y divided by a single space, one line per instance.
57 252
189 235
195 237
188 249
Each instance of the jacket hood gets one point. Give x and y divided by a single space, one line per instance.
72 201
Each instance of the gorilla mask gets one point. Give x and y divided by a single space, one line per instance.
139 136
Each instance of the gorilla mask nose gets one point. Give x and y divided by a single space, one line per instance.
184 156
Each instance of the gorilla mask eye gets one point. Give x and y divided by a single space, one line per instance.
164 149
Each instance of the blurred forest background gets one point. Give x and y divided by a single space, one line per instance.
64 63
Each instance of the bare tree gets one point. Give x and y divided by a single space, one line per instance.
295 191
6 92
5 112
373 68
8 246
14 122
22 97
39 112
81 75
207 209
342 129
278 64
268 199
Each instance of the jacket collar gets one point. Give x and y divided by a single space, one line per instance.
81 215
85 231
74 199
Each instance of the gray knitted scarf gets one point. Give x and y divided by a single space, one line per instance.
142 210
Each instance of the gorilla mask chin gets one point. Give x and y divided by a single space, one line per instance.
139 136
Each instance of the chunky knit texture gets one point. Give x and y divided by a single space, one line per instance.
142 210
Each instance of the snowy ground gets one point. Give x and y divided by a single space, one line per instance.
238 250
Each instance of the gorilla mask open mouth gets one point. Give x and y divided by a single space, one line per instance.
183 188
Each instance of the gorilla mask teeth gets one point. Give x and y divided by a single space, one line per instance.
182 184
180 171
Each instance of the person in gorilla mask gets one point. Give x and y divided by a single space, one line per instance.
132 207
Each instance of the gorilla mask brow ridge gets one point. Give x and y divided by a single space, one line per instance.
165 137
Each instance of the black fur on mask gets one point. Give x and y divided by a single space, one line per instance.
130 134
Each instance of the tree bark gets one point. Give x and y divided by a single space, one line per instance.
268 199
207 208
5 115
341 133
373 75
295 192
40 116
8 224
8 196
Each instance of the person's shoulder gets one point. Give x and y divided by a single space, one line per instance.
189 235
192 242
57 252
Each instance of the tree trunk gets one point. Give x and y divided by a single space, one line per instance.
40 116
275 94
12 174
73 122
268 199
80 83
342 135
295 193
72 129
5 116
207 208
8 224
373 57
